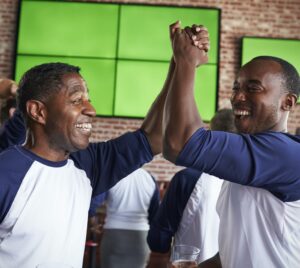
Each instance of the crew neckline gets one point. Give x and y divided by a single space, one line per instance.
44 161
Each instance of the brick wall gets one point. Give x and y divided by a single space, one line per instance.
271 18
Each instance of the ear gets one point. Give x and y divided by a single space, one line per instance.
36 111
289 102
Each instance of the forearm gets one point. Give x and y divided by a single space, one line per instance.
152 124
181 117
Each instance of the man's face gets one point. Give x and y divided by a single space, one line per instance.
257 97
69 115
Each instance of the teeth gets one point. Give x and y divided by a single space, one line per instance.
84 126
241 112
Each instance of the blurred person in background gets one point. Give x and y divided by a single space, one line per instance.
130 207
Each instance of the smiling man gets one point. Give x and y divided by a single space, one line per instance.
47 184
259 203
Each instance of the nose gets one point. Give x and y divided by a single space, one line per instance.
238 95
89 109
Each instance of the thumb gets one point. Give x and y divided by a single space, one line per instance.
174 27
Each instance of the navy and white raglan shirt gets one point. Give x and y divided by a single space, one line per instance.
259 204
188 213
44 205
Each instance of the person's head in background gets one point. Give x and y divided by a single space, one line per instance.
8 90
265 91
223 120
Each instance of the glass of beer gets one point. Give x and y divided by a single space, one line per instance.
184 256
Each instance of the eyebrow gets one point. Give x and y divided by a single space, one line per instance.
254 81
235 83
75 89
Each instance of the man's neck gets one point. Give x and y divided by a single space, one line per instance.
42 148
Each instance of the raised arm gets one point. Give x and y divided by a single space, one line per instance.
181 118
152 124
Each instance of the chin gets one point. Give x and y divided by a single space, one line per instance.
78 147
243 129
82 146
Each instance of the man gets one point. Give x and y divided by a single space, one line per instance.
259 204
130 207
47 184
188 209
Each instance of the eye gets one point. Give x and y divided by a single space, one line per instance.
77 101
253 88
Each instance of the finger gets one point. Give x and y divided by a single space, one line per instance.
174 27
203 40
201 35
192 37
197 28
206 47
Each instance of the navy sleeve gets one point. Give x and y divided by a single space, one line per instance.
154 203
106 163
267 160
14 167
168 217
13 131
96 202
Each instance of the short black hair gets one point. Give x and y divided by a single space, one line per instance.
290 74
223 120
41 82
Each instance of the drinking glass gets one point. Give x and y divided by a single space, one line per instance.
184 256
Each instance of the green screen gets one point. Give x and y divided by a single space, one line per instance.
138 80
99 75
205 90
138 83
123 50
73 29
150 38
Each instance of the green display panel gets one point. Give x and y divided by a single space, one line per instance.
68 29
144 30
123 50
99 75
286 49
205 91
138 83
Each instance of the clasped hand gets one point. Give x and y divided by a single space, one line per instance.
190 44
